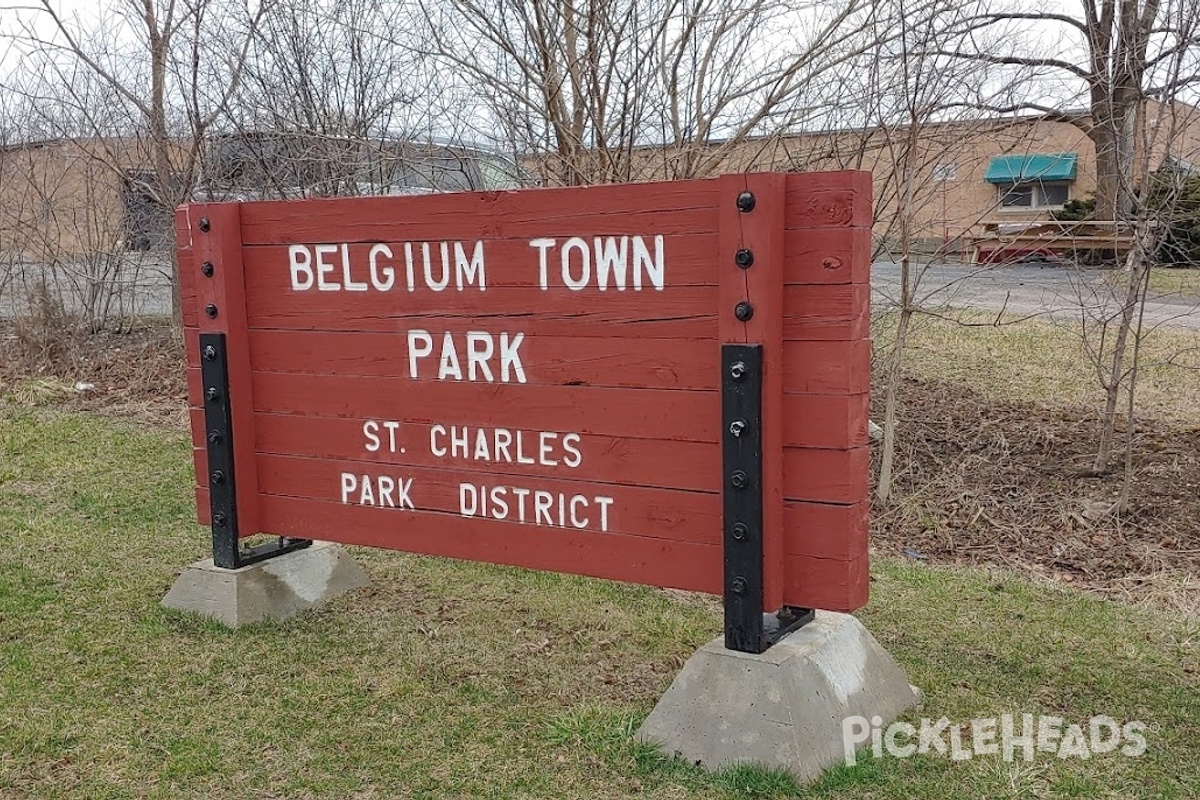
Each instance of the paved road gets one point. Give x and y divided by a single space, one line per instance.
1052 291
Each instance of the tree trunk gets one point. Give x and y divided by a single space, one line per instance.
1137 265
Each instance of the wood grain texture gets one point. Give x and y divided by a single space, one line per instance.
221 245
634 374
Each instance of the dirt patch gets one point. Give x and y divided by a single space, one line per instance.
135 373
982 481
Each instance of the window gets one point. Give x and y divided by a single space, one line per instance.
1033 195
945 172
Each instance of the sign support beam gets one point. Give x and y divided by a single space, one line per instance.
747 629
218 422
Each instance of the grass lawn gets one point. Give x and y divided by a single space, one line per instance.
455 679
1184 282
1041 362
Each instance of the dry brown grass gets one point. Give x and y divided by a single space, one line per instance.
1039 362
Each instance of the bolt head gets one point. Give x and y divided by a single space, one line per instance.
219 519
211 311
740 531
217 477
212 393
738 585
737 370
743 311
214 437
739 479
205 225
210 353
207 269
744 258
745 202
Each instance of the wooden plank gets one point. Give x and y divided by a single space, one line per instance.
677 312
636 559
759 288
825 530
824 367
823 476
668 208
470 266
831 311
644 413
221 245
828 256
813 530
814 367
826 476
596 265
503 494
826 422
830 584
547 361
829 199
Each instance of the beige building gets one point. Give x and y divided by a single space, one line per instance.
968 178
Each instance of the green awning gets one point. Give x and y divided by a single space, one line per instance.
1019 169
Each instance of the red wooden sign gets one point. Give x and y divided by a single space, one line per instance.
532 378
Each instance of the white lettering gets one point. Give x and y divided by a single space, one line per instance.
324 267
349 482
641 260
385 283
301 263
370 430
542 246
477 357
351 286
612 258
469 270
449 367
585 261
416 351
511 358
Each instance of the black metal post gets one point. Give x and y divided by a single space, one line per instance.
741 427
747 629
222 488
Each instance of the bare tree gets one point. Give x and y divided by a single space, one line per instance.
1124 61
613 90
167 69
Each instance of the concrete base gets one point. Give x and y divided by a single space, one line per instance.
277 588
784 708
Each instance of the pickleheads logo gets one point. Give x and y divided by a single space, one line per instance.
995 736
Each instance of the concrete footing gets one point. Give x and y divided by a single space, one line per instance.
783 708
277 588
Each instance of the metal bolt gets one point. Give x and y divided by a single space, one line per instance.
737 426
210 353
745 202
219 519
738 585
205 225
217 477
214 437
743 311
212 393
207 269
744 258
740 531
737 370
739 479
211 311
